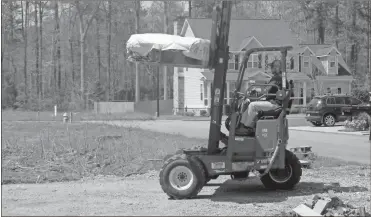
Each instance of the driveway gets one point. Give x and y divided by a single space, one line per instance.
346 147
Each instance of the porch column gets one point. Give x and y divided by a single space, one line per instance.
304 93
208 93
227 92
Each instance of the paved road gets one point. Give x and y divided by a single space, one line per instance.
346 147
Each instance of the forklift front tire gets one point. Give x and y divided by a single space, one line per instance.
292 174
182 177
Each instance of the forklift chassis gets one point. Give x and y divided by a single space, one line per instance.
184 174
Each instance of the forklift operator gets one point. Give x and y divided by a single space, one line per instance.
248 119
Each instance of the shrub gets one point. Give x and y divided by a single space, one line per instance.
359 123
361 93
203 112
189 114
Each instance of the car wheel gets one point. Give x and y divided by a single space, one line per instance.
329 120
317 124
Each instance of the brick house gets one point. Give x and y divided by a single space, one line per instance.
314 69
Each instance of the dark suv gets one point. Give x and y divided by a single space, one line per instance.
329 109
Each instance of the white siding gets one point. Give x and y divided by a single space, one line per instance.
192 91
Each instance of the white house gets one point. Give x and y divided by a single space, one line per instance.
310 66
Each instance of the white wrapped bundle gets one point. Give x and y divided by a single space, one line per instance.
168 49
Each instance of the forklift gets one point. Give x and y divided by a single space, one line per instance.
184 174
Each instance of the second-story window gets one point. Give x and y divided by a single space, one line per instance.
306 62
231 61
253 61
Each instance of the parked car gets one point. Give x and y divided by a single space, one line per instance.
329 109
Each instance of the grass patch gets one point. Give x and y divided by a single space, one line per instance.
37 152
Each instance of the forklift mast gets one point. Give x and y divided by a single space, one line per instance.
219 55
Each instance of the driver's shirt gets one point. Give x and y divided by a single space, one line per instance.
277 80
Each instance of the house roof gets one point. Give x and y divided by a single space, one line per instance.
270 32
232 76
320 49
254 73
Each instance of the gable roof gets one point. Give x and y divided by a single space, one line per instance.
247 41
272 32
321 49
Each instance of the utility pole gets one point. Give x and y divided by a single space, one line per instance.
137 88
166 20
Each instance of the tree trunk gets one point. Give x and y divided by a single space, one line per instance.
97 46
58 48
37 52
190 9
70 40
355 45
83 30
25 52
41 81
109 27
337 25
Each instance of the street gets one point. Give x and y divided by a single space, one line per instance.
346 147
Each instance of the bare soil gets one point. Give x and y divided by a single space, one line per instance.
142 195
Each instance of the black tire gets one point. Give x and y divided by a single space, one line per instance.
193 165
327 118
240 175
317 124
291 161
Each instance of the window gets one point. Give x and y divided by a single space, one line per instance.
330 101
201 92
340 100
237 62
306 62
332 61
231 61
339 90
180 69
253 61
328 90
291 63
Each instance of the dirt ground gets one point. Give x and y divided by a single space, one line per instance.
142 195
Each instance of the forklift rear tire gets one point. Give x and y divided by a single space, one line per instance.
182 177
292 176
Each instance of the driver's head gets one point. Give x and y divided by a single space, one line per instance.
276 67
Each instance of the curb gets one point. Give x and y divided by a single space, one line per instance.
333 132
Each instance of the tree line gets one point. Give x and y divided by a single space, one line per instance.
73 53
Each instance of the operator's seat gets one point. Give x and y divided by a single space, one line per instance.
270 114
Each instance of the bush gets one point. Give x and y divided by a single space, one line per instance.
362 94
190 114
203 112
359 123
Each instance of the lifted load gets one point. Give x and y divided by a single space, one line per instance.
170 50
